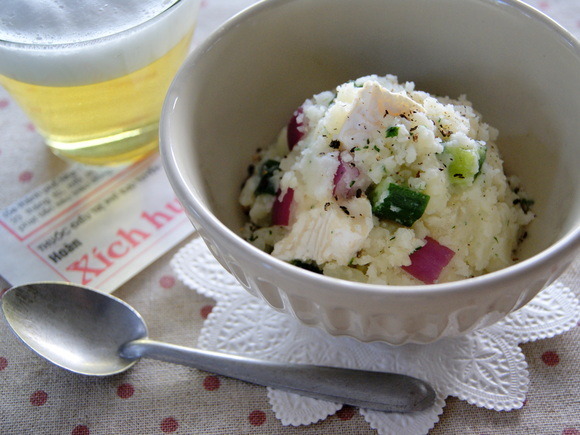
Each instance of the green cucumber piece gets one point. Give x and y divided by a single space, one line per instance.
481 155
397 203
463 164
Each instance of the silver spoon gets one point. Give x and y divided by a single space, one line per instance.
93 333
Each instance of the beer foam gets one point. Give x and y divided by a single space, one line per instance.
68 42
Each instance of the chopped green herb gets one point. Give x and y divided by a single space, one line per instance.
392 131
376 148
267 184
307 265
524 203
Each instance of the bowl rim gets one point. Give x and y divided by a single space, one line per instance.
565 245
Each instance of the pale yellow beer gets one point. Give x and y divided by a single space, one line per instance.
107 112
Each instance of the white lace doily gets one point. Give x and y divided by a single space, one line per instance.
486 368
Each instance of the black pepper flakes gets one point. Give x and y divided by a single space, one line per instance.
345 210
334 144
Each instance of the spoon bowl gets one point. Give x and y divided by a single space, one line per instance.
74 327
93 333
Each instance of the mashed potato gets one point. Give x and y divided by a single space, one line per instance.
379 183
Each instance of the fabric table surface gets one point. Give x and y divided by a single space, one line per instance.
155 397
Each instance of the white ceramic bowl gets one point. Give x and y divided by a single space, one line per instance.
237 90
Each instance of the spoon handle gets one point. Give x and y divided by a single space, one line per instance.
364 389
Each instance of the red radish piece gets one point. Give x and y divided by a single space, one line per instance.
428 262
295 130
348 180
281 208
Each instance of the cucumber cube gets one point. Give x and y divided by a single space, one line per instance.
397 203
463 164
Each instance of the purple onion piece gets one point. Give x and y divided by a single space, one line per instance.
428 262
281 208
348 180
295 130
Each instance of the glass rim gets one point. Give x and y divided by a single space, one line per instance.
69 45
